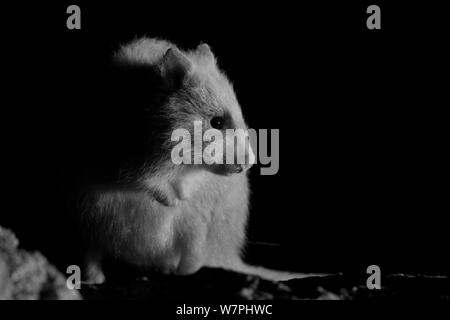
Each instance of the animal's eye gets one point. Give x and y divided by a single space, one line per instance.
217 122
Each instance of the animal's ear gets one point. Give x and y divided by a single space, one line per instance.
174 66
204 51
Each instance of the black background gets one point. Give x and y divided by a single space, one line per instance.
363 178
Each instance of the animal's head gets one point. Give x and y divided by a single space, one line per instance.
198 117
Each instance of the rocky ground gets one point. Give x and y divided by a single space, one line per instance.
25 275
216 284
28 275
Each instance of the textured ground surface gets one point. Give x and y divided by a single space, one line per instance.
217 284
25 275
28 275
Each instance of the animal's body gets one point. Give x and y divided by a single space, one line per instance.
160 215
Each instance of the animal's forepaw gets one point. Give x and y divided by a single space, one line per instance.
94 275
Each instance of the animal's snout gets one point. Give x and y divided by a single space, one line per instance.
233 153
250 157
244 157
